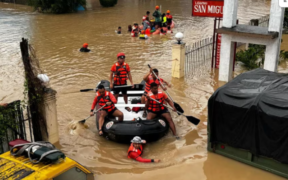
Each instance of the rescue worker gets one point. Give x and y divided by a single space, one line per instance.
120 73
164 20
136 150
169 18
150 78
147 16
103 98
143 35
85 48
156 110
135 33
157 16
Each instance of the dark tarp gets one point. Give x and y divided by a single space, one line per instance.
251 112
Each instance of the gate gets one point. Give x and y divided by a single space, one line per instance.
13 125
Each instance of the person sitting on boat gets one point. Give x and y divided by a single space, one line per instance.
136 150
120 73
155 109
143 35
105 98
150 78
169 31
169 18
85 48
145 17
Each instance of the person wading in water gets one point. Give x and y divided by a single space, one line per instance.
150 78
136 150
120 73
105 98
157 110
85 48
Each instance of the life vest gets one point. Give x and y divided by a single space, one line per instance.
169 19
144 18
120 76
133 34
142 36
102 100
147 31
150 81
133 149
164 19
154 106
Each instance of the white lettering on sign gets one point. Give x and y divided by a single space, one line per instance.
215 9
200 8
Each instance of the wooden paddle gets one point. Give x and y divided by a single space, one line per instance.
84 120
191 119
176 105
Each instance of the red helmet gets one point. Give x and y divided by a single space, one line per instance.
120 54
85 45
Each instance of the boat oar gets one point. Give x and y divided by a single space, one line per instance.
189 118
84 120
176 105
86 90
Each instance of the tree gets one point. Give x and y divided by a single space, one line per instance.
57 6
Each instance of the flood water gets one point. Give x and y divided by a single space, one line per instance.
57 39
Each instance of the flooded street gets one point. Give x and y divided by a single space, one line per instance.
57 39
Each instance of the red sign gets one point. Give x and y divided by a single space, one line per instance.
207 8
218 50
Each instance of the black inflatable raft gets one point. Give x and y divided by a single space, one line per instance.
123 132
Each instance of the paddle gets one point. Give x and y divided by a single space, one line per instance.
86 90
176 105
189 118
84 120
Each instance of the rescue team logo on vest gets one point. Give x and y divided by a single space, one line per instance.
102 100
133 149
154 106
120 77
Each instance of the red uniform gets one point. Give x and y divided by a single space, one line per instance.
120 73
154 106
134 153
150 81
169 19
144 18
102 100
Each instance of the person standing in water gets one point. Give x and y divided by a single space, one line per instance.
120 73
157 16
157 109
145 17
85 48
136 150
105 98
169 18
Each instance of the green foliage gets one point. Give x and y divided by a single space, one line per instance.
57 6
108 3
254 56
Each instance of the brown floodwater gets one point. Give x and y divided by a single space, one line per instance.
57 39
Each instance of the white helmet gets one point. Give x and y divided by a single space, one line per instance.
137 139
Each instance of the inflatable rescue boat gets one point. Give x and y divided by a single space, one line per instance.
123 132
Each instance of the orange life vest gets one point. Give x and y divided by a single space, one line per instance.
169 19
133 149
102 100
150 81
154 106
120 76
